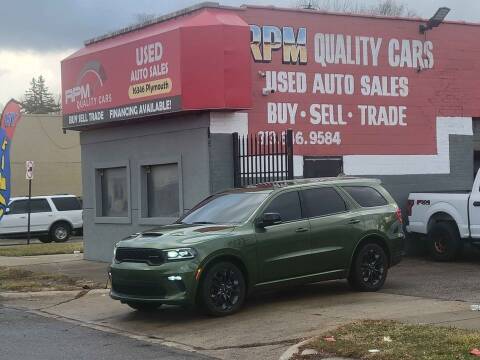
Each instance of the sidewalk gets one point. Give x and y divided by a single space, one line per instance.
71 265
264 329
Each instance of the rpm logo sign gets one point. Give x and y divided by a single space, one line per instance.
88 91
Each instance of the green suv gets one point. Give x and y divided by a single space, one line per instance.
242 240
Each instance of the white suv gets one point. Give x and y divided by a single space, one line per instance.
52 218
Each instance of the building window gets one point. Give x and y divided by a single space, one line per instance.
162 195
114 192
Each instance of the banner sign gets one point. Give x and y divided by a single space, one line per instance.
359 85
130 80
11 115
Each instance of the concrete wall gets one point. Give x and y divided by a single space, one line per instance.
183 138
56 155
459 178
221 162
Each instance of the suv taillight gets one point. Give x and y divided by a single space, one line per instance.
410 204
398 214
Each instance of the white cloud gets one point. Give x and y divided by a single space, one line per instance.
18 68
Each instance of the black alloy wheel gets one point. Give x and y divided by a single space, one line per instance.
369 269
222 290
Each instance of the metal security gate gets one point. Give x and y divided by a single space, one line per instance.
264 157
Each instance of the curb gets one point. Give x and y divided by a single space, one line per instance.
34 294
294 349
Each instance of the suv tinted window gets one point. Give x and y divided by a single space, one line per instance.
287 205
67 203
18 207
40 205
36 205
366 196
321 202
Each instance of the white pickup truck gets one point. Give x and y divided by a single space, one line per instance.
448 219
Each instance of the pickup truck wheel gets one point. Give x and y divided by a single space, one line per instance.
444 242
60 232
45 239
222 290
369 268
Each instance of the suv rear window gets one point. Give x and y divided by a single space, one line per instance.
366 196
67 203
321 202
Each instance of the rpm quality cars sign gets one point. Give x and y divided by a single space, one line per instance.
357 85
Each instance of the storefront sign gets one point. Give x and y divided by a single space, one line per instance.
356 85
198 61
131 80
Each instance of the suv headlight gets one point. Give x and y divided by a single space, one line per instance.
179 254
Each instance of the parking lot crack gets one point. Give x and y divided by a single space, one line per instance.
76 297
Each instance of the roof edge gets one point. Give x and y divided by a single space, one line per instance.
159 19
372 16
216 5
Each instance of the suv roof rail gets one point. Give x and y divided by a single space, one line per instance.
283 183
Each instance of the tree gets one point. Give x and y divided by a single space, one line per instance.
38 99
383 7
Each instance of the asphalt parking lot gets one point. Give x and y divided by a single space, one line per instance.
419 276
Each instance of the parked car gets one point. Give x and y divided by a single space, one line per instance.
52 218
448 219
242 240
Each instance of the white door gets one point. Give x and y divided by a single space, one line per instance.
41 216
15 221
474 208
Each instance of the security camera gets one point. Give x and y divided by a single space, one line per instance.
267 91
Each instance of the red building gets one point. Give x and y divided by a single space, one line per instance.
364 95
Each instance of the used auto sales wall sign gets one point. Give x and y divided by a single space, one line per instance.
356 84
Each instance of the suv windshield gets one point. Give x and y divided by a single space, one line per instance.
228 208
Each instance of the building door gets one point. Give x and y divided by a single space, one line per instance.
314 166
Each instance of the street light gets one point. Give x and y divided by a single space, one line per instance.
435 20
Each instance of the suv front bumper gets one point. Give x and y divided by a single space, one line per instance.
171 283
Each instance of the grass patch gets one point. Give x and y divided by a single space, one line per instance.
15 279
41 249
409 342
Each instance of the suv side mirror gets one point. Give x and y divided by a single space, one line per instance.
269 219
7 211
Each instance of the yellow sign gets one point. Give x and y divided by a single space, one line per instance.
150 88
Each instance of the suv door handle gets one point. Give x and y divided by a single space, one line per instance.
353 221
301 229
476 203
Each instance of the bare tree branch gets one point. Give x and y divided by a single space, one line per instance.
383 7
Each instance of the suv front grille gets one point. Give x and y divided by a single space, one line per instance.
143 255
139 290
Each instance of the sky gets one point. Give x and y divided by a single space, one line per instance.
36 35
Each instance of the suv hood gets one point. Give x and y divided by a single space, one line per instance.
175 235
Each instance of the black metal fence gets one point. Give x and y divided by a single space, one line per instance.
262 157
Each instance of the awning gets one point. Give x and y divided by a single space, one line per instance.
197 61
